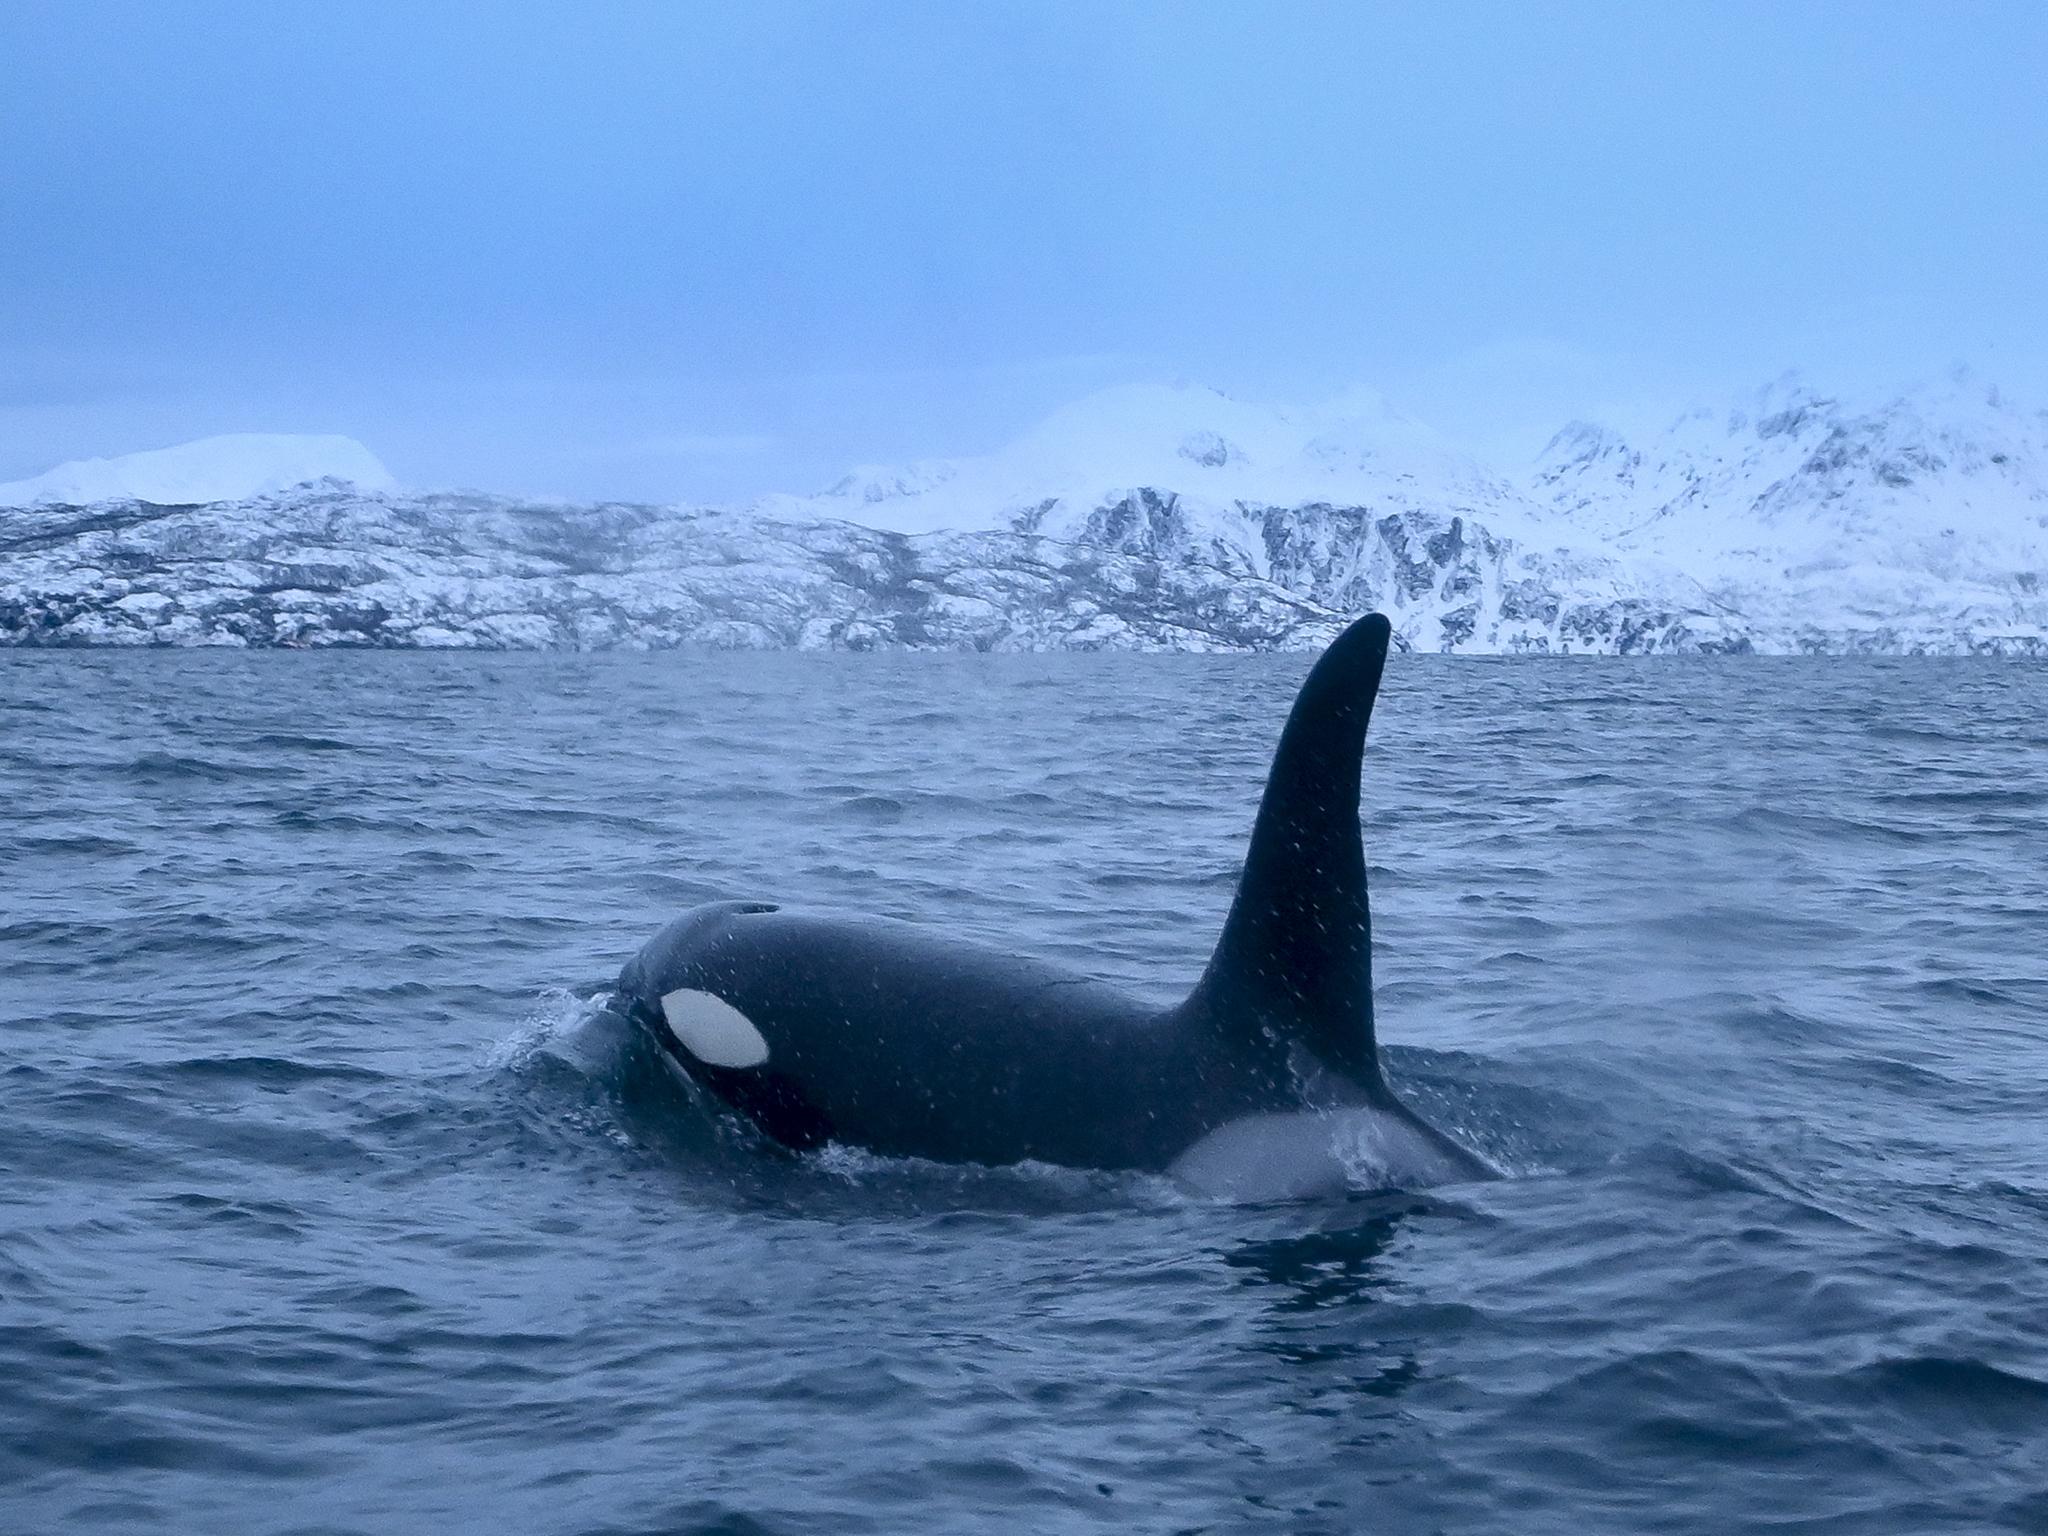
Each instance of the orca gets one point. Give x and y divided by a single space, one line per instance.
906 1041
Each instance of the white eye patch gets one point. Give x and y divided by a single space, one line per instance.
712 1030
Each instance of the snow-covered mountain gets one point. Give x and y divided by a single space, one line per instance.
336 566
1143 517
1913 520
1351 504
229 468
1212 452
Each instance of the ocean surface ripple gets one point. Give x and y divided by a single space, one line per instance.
331 1202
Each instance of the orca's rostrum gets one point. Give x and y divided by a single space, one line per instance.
905 1041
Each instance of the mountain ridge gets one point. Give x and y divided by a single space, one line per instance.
1790 521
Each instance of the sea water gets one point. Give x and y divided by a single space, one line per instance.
330 1201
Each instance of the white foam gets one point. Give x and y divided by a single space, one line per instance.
557 1018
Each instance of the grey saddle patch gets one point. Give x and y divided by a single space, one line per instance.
1303 1153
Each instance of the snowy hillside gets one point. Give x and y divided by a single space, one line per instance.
1351 504
1143 517
1903 521
228 468
334 566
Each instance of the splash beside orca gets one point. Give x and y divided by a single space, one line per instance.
907 1042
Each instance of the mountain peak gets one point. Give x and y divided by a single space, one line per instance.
1797 499
1579 442
1184 440
232 467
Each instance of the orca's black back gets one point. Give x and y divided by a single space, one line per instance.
890 1037
909 1042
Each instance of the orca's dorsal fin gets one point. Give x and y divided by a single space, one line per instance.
1295 956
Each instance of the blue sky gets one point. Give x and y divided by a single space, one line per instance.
697 250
